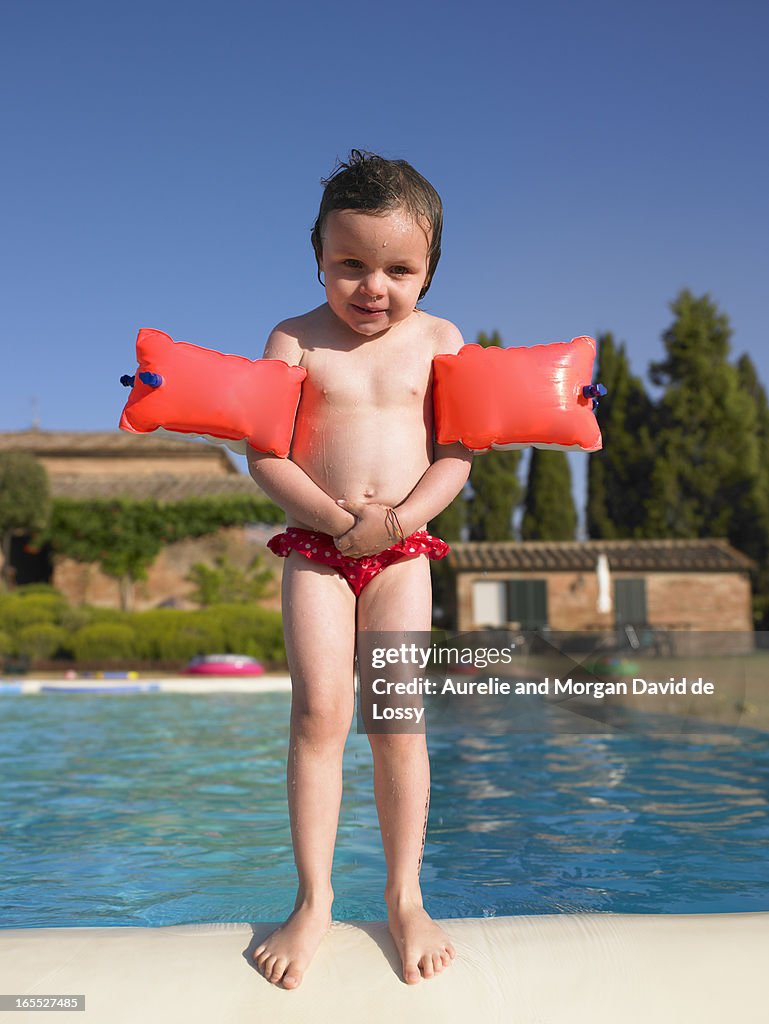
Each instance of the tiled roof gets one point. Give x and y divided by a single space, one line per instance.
110 443
708 555
161 486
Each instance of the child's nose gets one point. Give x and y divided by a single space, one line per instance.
373 283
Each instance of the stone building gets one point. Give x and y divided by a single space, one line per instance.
116 464
662 585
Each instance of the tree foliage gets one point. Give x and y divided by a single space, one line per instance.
226 583
25 501
705 477
549 512
496 489
618 475
124 537
751 386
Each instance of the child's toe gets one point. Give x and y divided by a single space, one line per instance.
411 973
292 978
279 969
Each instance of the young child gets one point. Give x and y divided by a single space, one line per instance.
363 479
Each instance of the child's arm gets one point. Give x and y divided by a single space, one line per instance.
282 480
439 485
300 497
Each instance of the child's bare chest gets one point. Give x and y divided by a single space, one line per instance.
377 379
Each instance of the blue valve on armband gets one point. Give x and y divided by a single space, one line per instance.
153 380
594 391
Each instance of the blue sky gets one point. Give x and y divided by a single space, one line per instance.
162 165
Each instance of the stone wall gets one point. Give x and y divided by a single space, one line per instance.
715 601
166 583
136 465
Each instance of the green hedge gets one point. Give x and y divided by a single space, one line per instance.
18 612
167 634
104 641
6 644
42 626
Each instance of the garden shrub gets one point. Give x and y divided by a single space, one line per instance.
18 610
42 640
104 641
251 630
168 634
41 626
6 644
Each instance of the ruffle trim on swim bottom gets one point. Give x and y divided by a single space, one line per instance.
319 547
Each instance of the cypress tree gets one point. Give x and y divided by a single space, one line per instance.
549 512
448 523
618 475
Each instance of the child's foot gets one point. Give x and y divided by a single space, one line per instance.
425 949
286 953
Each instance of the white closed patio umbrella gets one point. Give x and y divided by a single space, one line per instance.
603 604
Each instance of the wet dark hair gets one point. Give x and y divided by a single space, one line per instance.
370 182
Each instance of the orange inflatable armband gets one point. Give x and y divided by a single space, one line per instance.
187 389
507 398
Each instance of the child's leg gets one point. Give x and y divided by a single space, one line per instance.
399 600
319 625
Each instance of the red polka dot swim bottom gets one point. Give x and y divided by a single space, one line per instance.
319 547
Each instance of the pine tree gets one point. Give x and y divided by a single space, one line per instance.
705 479
494 482
549 512
618 475
751 385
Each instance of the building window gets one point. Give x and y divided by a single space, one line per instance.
500 602
630 602
489 605
527 603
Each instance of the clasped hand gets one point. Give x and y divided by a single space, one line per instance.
369 535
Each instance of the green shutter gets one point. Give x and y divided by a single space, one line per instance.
527 603
630 602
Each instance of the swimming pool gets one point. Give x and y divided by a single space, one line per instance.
157 809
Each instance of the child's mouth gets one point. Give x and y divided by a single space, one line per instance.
368 312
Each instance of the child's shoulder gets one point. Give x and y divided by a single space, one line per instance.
286 340
447 338
293 337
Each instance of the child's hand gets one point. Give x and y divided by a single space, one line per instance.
369 535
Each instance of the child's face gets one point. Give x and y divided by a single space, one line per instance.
374 267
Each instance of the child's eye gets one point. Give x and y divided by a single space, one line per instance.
400 270
350 263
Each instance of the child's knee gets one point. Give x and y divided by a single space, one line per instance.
321 723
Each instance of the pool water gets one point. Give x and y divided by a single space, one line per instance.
163 809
